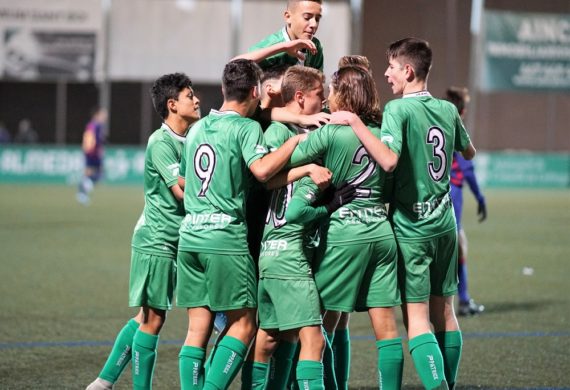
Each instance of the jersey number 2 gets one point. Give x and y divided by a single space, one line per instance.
204 165
358 159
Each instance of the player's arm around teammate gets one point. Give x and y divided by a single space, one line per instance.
357 267
215 270
285 277
428 130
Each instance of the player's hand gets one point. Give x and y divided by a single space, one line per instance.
482 210
316 120
320 175
296 47
344 194
342 118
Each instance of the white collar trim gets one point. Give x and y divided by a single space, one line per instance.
416 94
285 35
172 133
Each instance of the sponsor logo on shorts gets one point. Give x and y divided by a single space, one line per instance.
306 385
432 367
230 362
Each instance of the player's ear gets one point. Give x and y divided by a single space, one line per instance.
300 97
287 17
409 71
255 92
171 105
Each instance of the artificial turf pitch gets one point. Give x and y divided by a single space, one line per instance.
64 283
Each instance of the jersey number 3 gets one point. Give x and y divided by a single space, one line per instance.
204 165
436 168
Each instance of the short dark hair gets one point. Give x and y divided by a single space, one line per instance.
300 78
458 96
167 87
274 72
414 51
239 77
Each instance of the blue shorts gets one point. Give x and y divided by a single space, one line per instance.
457 200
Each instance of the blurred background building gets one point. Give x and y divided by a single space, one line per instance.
60 58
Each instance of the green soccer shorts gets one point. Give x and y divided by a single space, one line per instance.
358 277
288 303
218 281
428 267
152 280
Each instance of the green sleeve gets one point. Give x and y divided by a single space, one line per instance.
163 158
300 209
462 139
251 141
312 148
182 170
391 131
276 135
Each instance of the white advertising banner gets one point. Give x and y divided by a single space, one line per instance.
50 40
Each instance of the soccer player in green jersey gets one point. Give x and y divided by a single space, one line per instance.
296 42
356 268
337 372
418 137
288 303
155 237
224 152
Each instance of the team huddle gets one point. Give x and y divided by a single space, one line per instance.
357 217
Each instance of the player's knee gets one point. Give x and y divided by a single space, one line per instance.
313 340
267 346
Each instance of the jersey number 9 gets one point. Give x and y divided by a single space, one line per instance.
204 165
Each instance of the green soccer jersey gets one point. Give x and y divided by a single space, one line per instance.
287 248
215 163
423 132
312 60
364 219
156 231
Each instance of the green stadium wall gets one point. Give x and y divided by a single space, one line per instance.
125 165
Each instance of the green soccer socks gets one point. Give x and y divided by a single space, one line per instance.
428 360
450 344
341 353
328 362
390 363
191 365
121 353
226 363
310 375
254 375
281 365
144 359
